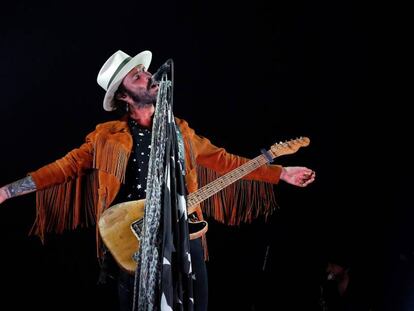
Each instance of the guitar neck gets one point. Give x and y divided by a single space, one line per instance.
195 198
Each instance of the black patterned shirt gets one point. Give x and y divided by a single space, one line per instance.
135 186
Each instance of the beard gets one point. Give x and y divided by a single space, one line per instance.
142 98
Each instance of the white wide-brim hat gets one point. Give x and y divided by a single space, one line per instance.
114 71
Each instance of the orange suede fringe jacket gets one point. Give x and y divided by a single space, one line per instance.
74 190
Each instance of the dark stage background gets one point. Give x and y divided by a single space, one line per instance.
247 76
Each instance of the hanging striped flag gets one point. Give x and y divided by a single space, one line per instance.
163 280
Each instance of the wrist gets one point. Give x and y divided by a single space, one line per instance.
4 193
283 174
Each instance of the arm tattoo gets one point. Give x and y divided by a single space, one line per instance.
20 187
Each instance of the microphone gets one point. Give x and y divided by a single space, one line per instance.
163 69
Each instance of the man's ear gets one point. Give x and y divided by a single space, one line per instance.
121 95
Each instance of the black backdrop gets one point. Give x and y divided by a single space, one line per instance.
247 76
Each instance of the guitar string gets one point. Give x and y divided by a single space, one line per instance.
222 182
212 188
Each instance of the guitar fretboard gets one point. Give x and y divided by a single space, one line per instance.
276 150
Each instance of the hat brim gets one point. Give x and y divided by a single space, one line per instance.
143 58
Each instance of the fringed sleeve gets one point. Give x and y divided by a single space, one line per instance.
74 190
243 200
240 202
61 188
66 206
220 161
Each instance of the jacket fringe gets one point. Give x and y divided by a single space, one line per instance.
240 202
66 206
112 158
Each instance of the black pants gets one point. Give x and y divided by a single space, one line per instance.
200 284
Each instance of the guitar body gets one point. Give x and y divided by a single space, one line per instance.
116 232
118 226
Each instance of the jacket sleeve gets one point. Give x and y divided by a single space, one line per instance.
218 159
73 164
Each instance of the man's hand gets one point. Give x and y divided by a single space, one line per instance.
3 195
297 175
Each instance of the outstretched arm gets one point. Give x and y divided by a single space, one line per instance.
17 188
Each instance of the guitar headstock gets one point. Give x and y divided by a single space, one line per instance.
289 146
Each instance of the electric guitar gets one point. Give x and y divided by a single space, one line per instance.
120 226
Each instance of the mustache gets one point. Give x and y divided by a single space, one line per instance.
151 83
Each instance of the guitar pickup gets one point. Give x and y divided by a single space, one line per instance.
136 228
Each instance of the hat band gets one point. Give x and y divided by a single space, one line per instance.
121 65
